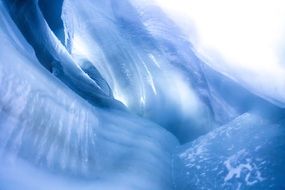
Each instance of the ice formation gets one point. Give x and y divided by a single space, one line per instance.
115 95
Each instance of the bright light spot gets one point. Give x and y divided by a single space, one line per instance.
120 97
240 38
79 47
181 92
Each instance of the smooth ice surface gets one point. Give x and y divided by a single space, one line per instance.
247 153
99 94
48 131
140 67
240 39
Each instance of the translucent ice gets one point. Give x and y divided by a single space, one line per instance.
99 94
247 153
46 130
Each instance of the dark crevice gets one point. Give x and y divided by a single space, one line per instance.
51 11
35 24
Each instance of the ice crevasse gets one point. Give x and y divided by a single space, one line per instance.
112 95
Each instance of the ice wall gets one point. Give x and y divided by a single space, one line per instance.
143 71
242 40
97 95
51 138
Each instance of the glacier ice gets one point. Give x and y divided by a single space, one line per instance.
45 124
246 153
112 95
241 39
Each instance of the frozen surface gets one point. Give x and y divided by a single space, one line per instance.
247 153
146 72
46 130
240 39
98 95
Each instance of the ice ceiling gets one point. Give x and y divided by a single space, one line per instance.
241 39
142 94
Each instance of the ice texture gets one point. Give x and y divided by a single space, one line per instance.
144 72
45 129
113 95
240 39
246 153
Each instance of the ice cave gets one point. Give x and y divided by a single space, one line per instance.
142 95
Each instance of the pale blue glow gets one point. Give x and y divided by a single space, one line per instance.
240 39
141 95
